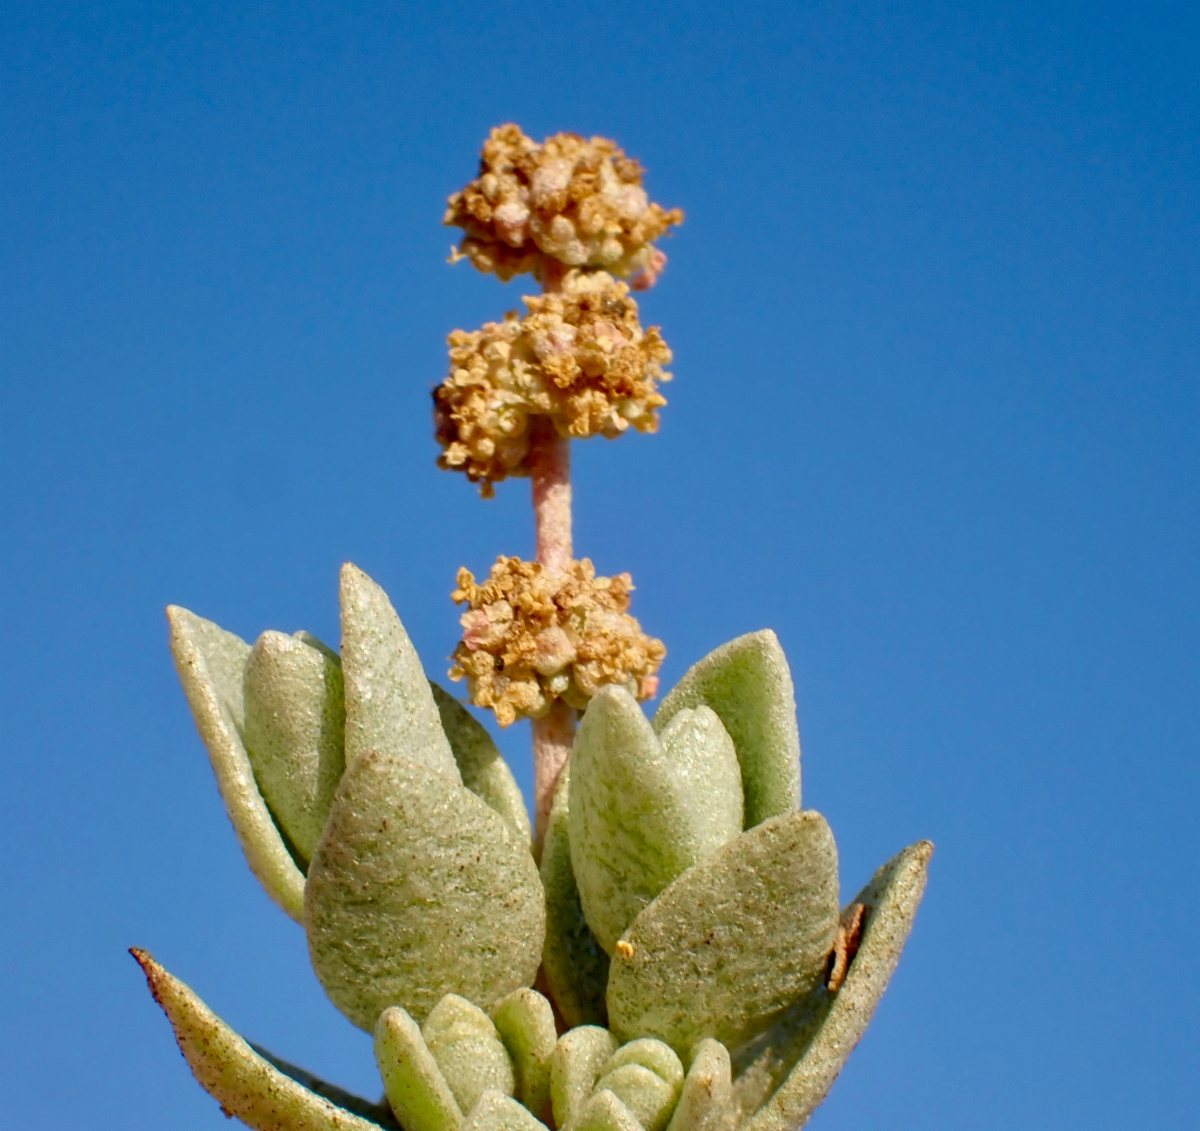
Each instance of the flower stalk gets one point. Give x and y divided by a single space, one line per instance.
554 733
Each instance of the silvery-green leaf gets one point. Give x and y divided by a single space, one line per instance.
822 1039
498 1112
575 965
483 768
699 750
295 731
649 1098
634 822
419 889
605 1112
414 1083
211 663
389 707
748 683
733 940
706 1103
468 1050
240 1080
380 1113
525 1021
650 1053
575 1067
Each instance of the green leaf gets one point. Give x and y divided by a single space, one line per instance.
605 1112
706 1100
649 1098
575 965
389 706
211 663
419 889
295 731
733 940
468 1050
653 1054
483 768
414 1083
700 752
498 1112
748 683
575 1067
525 1021
796 1062
242 1082
639 817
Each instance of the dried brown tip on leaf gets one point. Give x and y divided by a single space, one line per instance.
845 946
530 637
245 1084
579 357
572 200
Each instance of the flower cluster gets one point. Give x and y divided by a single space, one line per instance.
568 200
531 636
579 357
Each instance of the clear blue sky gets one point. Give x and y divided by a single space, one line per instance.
934 313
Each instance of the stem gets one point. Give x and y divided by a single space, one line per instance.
549 464
553 737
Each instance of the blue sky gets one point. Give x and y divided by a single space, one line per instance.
934 314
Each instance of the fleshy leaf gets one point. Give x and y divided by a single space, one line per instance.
380 1113
468 1050
650 1053
735 939
483 768
575 964
807 1051
525 1021
498 1112
605 1112
241 1081
749 685
635 821
419 889
389 706
700 752
414 1083
211 663
575 1067
706 1101
649 1098
295 731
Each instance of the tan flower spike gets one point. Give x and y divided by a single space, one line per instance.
579 357
531 636
567 201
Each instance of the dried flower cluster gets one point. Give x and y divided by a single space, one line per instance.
579 357
568 200
530 637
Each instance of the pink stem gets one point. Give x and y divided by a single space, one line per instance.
549 464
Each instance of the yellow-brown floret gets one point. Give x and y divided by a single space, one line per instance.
579 357
575 201
530 637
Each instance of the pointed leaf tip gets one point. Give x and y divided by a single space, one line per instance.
242 1082
749 685
389 704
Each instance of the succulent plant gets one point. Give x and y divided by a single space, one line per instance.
662 948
